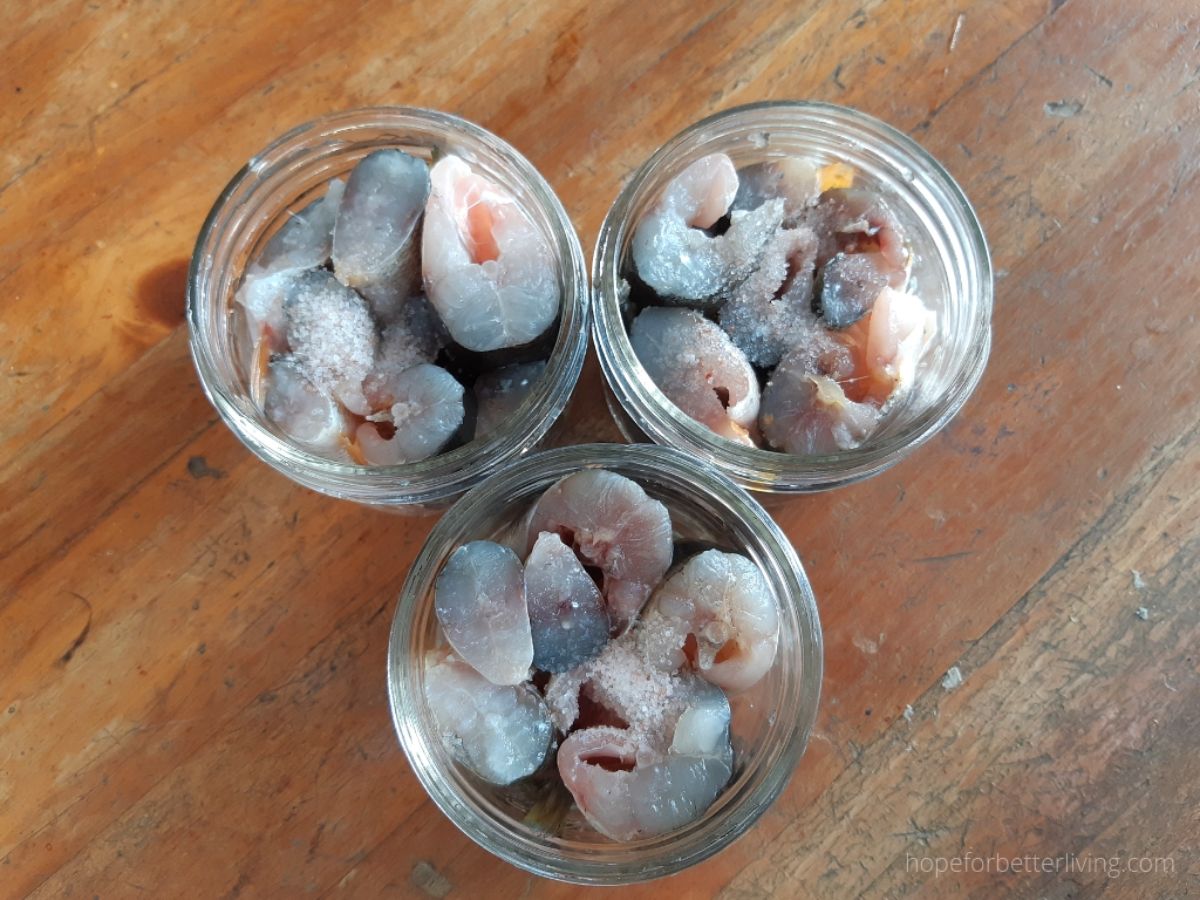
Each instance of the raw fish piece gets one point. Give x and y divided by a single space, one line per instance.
488 270
261 297
611 524
677 790
375 241
699 368
858 221
413 337
499 394
629 784
332 336
499 732
427 410
771 311
888 344
304 241
723 604
671 250
566 612
597 766
702 728
796 181
479 597
808 413
850 282
302 412
635 693
678 258
562 693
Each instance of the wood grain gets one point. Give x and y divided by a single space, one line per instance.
191 648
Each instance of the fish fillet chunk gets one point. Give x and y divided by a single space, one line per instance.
480 602
699 368
488 270
500 732
376 242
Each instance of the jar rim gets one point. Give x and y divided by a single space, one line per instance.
759 469
444 475
614 863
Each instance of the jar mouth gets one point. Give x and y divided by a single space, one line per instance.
761 773
916 179
269 182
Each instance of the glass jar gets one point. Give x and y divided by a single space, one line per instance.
951 272
771 722
292 171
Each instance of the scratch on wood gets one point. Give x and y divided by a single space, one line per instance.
315 843
924 835
691 33
21 172
379 612
1082 666
82 636
128 92
945 557
1103 79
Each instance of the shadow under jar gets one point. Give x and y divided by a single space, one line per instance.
950 272
284 178
771 722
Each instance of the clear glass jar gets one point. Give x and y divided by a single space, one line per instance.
771 722
951 273
283 178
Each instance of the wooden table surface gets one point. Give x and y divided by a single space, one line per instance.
192 695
